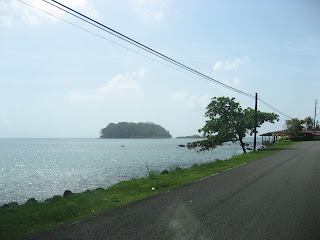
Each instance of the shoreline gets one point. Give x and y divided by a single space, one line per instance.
54 169
21 221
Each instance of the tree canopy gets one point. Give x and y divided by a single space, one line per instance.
308 121
134 130
310 124
294 127
229 122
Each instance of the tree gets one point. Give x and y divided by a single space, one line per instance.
309 122
229 122
294 127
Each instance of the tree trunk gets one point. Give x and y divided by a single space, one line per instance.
242 145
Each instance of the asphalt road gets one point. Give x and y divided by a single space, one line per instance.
275 197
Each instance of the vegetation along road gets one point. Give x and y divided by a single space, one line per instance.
275 197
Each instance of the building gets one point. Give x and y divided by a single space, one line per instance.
273 136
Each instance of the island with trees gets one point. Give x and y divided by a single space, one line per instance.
134 130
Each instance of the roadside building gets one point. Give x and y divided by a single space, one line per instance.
305 135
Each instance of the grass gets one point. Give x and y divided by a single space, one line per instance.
16 223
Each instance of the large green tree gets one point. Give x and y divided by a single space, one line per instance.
227 121
309 123
294 127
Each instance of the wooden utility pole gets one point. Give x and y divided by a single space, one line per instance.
315 115
255 123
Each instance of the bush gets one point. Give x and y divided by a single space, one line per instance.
284 138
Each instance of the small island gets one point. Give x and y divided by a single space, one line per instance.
134 130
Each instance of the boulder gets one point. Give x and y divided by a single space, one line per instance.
67 193
181 145
31 201
56 197
164 172
13 204
5 206
10 205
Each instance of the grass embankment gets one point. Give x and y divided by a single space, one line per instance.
27 219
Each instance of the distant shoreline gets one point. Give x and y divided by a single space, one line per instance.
137 138
192 136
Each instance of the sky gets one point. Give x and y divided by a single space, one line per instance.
60 81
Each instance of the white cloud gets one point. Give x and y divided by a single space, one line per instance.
13 11
229 66
152 10
120 86
192 102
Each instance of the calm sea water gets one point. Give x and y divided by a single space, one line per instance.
41 168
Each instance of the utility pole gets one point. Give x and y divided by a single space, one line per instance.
315 114
255 123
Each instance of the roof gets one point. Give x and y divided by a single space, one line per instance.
284 133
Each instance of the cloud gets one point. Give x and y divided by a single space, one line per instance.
14 12
192 102
153 10
229 66
120 86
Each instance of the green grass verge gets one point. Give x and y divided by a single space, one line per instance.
16 223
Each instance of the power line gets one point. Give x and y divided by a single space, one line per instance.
273 108
104 38
144 47
123 37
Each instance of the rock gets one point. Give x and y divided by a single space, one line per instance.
99 188
48 199
5 206
67 193
10 205
31 201
56 197
181 145
164 172
13 204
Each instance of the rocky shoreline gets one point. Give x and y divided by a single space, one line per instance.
33 201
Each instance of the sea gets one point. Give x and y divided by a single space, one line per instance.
42 168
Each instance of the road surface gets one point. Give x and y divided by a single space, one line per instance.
275 197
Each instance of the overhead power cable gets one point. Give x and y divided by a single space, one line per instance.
104 38
273 108
141 46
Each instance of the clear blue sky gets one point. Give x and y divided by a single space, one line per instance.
60 81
